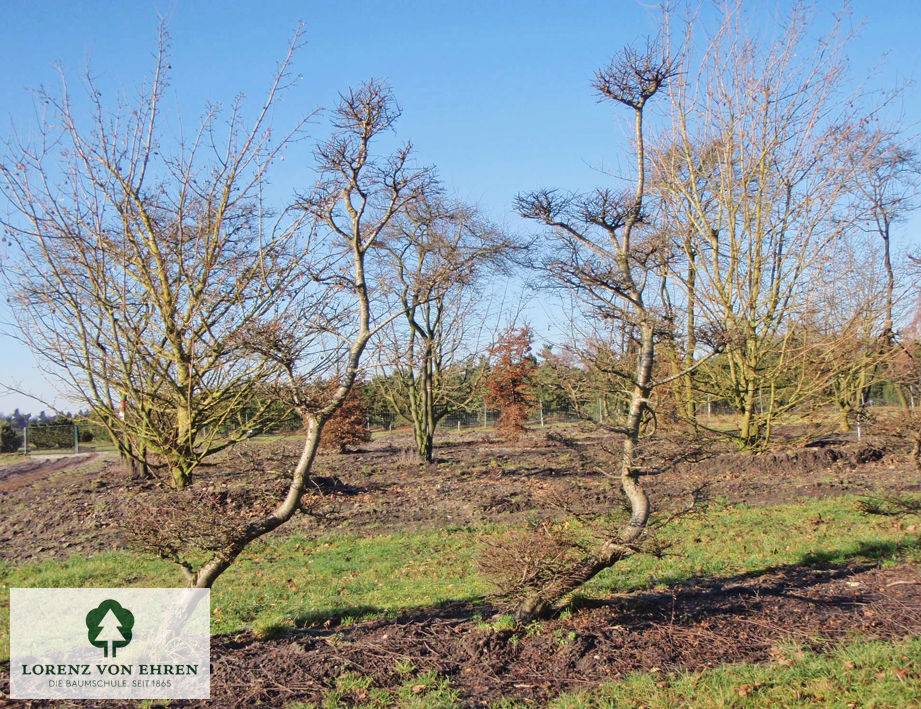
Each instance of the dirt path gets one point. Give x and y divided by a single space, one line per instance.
17 475
57 507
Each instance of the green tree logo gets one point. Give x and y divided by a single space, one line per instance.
109 626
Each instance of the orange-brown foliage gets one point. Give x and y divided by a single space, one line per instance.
349 425
509 377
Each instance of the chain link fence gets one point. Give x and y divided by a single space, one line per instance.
51 437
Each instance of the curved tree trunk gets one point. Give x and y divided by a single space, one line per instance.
221 560
631 81
621 545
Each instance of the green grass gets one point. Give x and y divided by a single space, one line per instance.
748 540
295 582
284 582
98 445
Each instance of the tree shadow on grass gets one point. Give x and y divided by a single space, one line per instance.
739 594
697 623
697 596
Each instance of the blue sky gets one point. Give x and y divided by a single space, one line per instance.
496 94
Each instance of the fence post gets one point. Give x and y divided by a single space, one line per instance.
25 438
76 439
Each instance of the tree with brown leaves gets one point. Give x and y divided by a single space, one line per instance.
348 427
509 379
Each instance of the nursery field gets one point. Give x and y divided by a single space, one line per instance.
782 586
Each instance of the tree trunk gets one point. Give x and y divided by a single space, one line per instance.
890 285
916 451
844 422
423 415
221 560
748 427
690 409
422 408
620 546
425 443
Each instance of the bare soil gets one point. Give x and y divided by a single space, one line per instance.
693 627
74 505
70 507
27 472
690 627
475 479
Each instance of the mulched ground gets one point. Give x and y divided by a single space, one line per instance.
697 625
689 627
693 627
66 510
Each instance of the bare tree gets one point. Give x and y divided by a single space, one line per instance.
863 289
164 290
849 318
888 183
137 267
436 254
611 253
686 254
356 198
758 175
